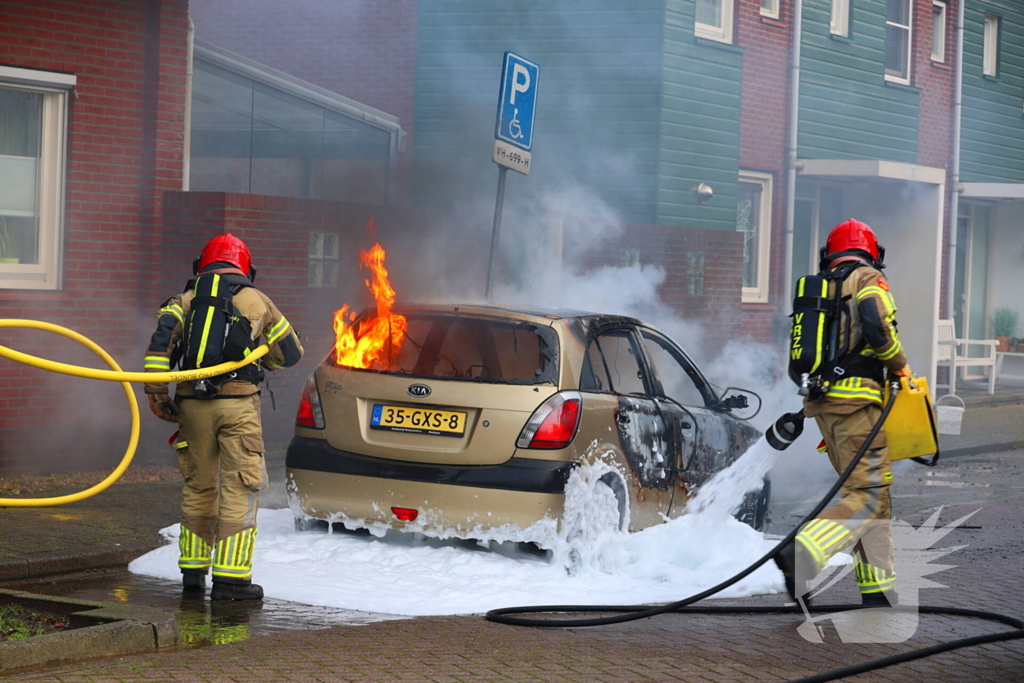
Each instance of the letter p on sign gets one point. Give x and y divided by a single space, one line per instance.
520 81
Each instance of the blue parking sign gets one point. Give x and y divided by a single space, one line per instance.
517 101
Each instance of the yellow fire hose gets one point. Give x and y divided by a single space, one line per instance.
115 374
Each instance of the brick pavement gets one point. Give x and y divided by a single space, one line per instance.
987 574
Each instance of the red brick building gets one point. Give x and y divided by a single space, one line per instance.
94 92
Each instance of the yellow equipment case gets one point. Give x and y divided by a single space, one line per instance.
910 427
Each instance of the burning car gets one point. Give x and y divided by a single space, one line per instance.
468 420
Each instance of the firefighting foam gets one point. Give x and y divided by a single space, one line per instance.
405 574
370 343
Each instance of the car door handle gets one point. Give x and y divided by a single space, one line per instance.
685 425
622 418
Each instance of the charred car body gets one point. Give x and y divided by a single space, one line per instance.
484 412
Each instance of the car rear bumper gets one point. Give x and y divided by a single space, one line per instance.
517 474
520 500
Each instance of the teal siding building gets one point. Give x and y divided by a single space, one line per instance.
848 109
989 261
630 105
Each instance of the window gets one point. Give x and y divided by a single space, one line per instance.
770 8
473 349
840 24
260 131
714 20
990 64
754 220
897 41
679 379
32 135
323 259
938 31
611 365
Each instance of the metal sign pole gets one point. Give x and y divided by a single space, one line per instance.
499 201
513 136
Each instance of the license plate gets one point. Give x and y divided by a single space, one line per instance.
418 420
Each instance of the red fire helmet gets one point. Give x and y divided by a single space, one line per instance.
853 234
227 248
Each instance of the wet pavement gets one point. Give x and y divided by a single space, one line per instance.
201 621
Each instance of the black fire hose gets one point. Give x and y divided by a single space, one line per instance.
508 615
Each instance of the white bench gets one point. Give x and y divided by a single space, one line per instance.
1000 356
949 354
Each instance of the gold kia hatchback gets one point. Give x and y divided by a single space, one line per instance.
472 418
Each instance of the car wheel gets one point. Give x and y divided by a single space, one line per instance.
583 532
307 524
754 509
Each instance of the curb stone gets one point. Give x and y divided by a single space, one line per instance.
36 568
983 448
98 629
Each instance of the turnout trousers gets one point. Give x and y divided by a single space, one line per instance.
862 518
220 454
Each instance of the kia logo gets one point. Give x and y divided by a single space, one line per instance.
419 390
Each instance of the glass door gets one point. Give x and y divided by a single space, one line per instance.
971 274
818 209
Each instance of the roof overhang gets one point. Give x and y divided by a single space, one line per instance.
865 169
304 90
993 190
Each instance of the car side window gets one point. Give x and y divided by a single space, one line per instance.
611 364
595 373
679 379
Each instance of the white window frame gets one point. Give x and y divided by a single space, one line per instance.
723 33
939 8
990 51
758 294
909 26
55 88
840 22
772 10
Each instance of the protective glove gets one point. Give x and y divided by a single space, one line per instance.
905 371
164 407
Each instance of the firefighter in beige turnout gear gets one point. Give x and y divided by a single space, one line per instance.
846 415
220 441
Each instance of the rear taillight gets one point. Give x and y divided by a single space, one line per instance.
406 514
554 423
310 413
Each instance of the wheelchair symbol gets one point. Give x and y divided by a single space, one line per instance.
515 130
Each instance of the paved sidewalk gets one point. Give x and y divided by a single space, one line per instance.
107 530
987 574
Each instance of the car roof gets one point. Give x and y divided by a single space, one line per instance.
512 312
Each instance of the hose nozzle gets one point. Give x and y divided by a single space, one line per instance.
785 430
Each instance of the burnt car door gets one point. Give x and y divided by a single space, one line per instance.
704 439
616 378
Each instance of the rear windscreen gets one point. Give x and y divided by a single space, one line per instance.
476 349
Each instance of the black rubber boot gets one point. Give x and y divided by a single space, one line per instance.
787 561
880 599
193 582
236 591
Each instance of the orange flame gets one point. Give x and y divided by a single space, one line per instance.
376 340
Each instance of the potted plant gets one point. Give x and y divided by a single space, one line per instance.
1004 324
